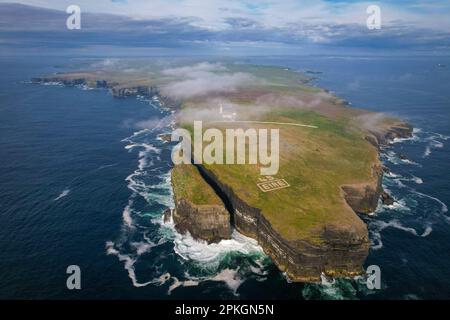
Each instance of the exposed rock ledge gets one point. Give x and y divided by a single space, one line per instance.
198 209
210 223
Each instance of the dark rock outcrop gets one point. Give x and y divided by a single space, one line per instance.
387 199
363 198
204 222
396 131
167 215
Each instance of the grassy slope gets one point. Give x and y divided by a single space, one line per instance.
189 184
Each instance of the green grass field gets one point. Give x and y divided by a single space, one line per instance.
188 184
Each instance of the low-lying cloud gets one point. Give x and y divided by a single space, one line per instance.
203 79
371 121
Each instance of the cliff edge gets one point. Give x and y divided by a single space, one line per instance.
198 209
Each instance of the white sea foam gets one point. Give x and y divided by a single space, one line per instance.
126 215
158 193
63 194
390 174
231 278
427 151
435 141
400 140
381 225
210 255
444 207
327 281
177 283
333 289
417 180
107 166
135 135
436 144
399 205
407 161
399 183
200 251
376 243
129 262
143 247
427 231
147 147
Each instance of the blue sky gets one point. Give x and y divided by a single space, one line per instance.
409 25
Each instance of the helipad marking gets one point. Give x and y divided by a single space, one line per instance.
270 183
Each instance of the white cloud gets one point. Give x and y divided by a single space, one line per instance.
203 79
213 14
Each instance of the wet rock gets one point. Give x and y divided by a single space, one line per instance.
167 215
166 137
204 222
387 199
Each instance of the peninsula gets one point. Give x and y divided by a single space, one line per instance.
306 216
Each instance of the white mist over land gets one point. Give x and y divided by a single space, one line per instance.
213 82
371 121
202 79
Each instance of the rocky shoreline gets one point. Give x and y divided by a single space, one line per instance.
116 89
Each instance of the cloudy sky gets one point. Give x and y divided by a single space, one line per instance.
420 25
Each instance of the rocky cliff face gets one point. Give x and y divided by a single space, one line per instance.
198 209
204 222
363 198
384 135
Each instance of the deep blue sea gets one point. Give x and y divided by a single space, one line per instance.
83 182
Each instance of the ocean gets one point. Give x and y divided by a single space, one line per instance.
83 182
